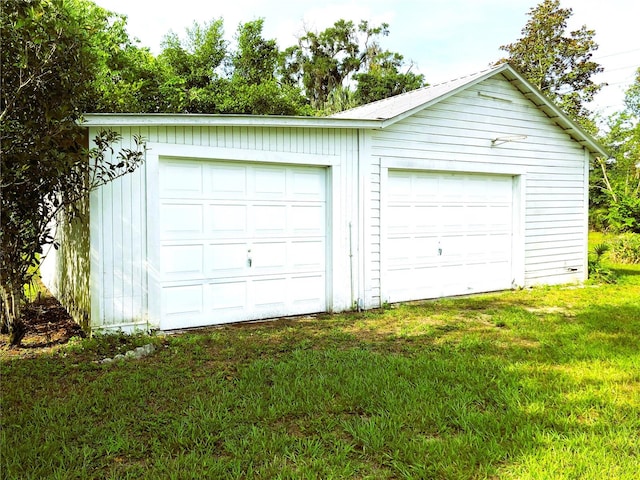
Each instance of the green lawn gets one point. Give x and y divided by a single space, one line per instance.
531 384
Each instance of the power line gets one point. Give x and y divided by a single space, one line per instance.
608 70
616 54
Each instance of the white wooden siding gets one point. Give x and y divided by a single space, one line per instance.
457 133
122 267
118 250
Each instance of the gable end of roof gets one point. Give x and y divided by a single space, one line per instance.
394 109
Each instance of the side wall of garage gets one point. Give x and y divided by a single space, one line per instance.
125 256
491 128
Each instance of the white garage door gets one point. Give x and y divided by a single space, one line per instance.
447 234
240 241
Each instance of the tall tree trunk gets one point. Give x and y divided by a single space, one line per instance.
11 306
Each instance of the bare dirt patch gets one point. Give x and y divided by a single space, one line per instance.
48 325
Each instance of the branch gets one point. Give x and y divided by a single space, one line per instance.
606 178
24 84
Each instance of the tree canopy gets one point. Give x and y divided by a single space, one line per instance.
324 64
557 62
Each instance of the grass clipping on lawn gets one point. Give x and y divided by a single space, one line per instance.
538 383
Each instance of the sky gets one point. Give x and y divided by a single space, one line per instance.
445 39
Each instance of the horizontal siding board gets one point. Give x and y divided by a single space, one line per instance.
566 259
558 190
464 154
549 252
552 276
553 236
534 204
556 227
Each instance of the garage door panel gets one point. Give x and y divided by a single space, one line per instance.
454 246
226 182
500 190
270 293
400 219
400 189
304 292
476 190
182 261
399 251
424 189
181 220
227 220
307 186
271 256
412 283
307 255
499 244
181 181
270 183
227 259
477 216
269 220
479 245
228 296
449 234
453 217
426 218
499 215
309 220
451 189
184 300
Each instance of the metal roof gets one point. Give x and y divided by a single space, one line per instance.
376 115
405 104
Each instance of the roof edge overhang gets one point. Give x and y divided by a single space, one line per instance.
550 109
115 120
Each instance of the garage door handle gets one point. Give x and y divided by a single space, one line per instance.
249 259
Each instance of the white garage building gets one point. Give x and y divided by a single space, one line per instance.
474 185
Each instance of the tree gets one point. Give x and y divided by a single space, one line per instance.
256 59
632 96
325 61
384 79
128 78
49 74
615 183
254 87
203 75
558 63
194 68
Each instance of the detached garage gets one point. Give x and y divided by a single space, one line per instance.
474 185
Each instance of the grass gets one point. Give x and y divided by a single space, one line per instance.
541 383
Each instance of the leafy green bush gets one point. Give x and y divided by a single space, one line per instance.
624 215
598 272
625 248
